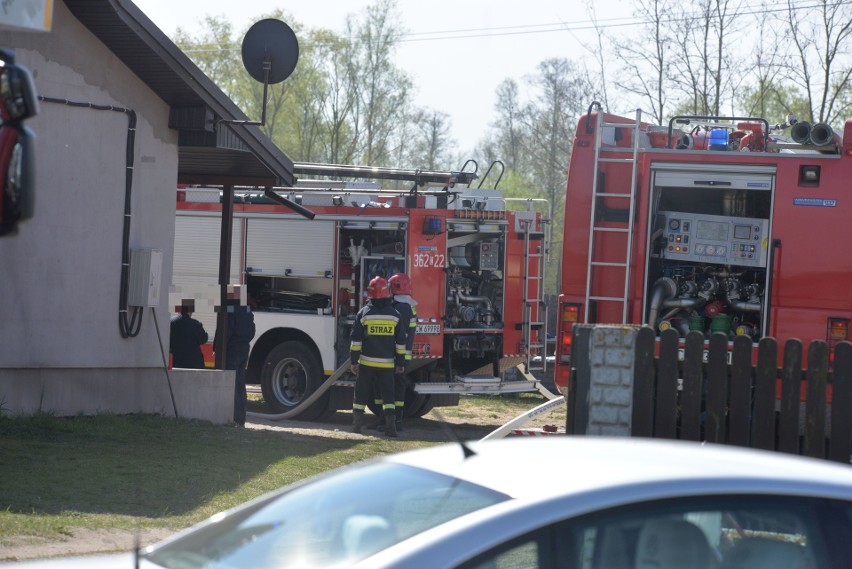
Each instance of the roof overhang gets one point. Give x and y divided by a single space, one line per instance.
210 151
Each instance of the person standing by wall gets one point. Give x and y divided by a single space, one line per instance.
400 288
376 351
240 333
186 337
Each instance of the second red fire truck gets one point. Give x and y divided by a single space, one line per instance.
717 224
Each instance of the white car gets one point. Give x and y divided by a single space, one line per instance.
567 502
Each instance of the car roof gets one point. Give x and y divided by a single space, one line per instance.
576 464
561 477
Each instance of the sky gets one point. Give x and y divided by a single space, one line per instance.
456 51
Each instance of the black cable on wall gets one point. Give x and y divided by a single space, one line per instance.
129 328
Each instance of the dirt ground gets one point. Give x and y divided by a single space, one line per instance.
467 422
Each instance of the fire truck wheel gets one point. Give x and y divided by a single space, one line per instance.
417 404
420 410
290 373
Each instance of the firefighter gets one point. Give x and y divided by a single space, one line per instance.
377 350
400 288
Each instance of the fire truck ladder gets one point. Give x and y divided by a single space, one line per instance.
534 317
596 231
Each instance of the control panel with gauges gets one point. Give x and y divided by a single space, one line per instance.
724 240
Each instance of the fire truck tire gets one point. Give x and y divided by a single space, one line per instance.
290 373
414 402
421 410
417 404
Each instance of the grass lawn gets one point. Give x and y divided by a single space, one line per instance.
147 471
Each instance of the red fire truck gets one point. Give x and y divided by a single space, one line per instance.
717 224
476 260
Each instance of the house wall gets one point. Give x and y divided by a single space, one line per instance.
60 275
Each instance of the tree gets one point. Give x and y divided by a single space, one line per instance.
558 100
217 53
382 88
703 57
821 35
647 64
336 97
509 124
429 142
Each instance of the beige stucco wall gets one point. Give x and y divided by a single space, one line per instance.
59 283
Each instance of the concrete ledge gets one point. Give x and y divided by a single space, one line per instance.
207 395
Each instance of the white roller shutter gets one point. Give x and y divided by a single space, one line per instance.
196 259
292 247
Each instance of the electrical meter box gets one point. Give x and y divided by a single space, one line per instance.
146 275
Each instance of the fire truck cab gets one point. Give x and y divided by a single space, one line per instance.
716 224
475 259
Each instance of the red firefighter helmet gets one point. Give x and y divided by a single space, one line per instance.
400 284
378 288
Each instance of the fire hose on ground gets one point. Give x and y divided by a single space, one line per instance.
501 432
301 407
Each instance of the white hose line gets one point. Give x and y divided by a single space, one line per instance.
501 432
538 384
295 411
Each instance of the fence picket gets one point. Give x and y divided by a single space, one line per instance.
739 406
840 443
577 419
717 389
665 412
644 384
693 381
817 374
791 389
766 374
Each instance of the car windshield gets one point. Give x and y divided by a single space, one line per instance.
334 520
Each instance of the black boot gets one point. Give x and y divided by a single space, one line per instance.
390 428
357 420
379 425
400 415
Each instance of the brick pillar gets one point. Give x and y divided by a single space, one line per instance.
611 357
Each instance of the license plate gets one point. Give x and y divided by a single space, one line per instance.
681 353
428 329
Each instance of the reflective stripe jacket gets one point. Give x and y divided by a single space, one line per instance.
407 317
378 337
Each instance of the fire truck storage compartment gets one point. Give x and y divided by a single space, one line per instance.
475 253
709 248
367 249
284 278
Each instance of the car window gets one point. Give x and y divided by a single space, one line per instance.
337 519
717 533
527 552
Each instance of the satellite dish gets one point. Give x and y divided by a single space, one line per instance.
270 51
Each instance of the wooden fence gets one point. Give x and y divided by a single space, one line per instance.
680 395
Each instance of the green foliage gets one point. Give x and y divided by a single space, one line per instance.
774 102
347 102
